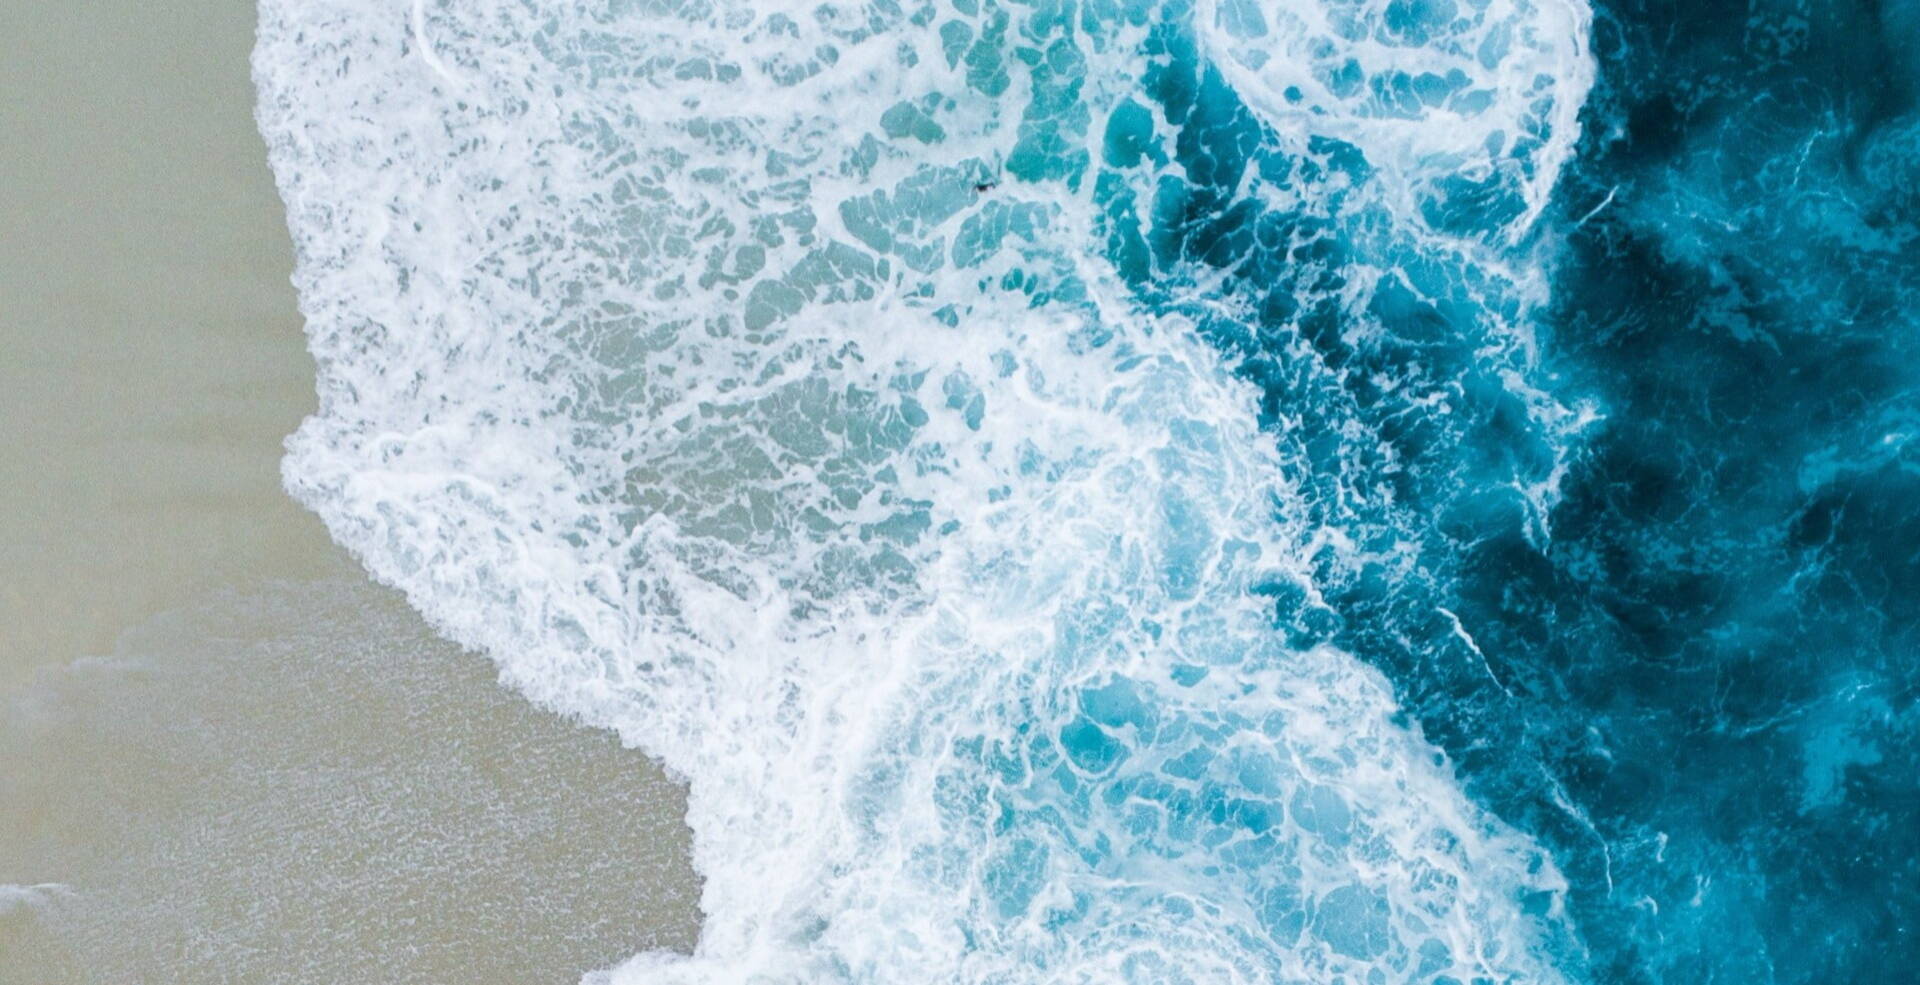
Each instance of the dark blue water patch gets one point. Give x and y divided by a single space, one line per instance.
1701 690
1722 635
1696 679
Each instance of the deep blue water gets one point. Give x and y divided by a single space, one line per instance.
1722 635
1697 676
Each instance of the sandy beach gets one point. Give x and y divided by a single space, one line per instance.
153 356
224 754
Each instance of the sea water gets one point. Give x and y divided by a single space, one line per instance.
1215 491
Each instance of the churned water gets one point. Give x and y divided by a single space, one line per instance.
1217 491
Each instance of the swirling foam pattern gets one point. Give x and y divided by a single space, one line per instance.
1433 91
851 406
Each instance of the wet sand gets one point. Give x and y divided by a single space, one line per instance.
153 358
224 755
301 784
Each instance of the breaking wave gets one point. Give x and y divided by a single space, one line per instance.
930 429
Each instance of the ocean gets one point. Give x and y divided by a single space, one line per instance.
1185 491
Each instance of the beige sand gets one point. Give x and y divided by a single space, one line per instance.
152 356
300 784
224 756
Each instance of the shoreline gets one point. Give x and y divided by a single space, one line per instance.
219 738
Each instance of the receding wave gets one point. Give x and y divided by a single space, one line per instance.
853 405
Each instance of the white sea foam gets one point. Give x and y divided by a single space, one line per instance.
702 363
14 896
1430 90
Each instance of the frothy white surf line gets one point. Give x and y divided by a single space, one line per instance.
702 366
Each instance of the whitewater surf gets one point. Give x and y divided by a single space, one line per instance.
875 413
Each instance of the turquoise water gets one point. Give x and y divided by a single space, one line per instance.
1160 492
1716 649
